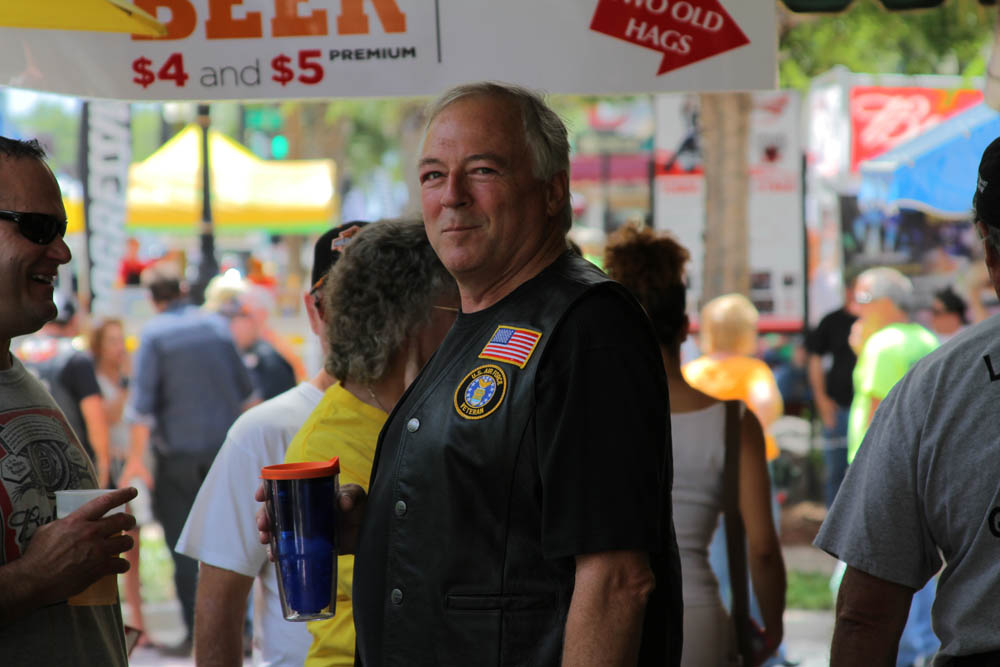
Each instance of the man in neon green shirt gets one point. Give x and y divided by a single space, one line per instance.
890 345
391 303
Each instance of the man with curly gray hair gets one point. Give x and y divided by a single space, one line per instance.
387 303
519 509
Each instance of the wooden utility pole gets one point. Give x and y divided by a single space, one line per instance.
725 119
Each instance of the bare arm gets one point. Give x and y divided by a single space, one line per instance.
219 612
765 399
871 613
134 466
94 417
604 625
65 556
767 567
824 404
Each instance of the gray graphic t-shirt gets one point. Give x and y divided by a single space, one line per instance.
924 490
39 455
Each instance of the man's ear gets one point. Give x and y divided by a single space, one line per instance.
315 317
556 194
992 258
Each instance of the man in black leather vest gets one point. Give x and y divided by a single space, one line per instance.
519 509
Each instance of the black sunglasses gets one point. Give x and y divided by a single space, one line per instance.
40 228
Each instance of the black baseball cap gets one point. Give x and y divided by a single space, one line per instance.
986 201
324 255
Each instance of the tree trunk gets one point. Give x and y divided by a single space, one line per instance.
725 119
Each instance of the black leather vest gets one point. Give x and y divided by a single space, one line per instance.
450 569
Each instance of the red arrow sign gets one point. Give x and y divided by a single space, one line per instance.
684 31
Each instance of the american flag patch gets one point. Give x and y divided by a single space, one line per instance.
512 345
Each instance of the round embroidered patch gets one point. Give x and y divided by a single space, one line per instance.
481 392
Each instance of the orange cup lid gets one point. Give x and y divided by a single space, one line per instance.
309 470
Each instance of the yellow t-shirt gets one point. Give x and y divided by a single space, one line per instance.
733 378
343 426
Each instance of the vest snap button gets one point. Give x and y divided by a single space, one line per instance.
413 425
400 508
396 596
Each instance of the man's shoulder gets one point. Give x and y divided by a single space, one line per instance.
894 336
278 417
21 388
180 318
569 275
974 349
606 312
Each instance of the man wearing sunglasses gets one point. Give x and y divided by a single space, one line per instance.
44 560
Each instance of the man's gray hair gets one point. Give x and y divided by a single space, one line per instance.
380 291
544 131
883 281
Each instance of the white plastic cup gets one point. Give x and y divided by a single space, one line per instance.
105 590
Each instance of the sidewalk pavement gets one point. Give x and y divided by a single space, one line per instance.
807 633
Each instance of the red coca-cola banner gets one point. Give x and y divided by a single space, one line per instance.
883 118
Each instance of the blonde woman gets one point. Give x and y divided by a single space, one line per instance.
727 369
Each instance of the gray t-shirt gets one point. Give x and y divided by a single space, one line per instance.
39 455
924 487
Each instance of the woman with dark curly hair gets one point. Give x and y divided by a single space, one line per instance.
387 303
651 266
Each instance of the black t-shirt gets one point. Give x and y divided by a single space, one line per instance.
601 445
270 373
830 337
69 375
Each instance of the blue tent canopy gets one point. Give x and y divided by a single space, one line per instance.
934 172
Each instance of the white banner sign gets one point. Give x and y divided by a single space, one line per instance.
269 49
108 151
774 155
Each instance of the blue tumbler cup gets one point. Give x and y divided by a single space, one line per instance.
301 504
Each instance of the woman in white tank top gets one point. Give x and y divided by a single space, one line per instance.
651 266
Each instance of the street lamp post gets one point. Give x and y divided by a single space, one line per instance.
208 267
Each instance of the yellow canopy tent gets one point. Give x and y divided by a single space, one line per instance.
248 193
74 214
93 15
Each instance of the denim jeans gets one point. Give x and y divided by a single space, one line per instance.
918 639
835 454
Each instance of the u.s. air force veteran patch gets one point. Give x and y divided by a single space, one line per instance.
481 392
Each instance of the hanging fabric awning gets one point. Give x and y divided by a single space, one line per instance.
934 172
248 193
90 15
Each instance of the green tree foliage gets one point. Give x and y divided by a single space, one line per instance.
145 130
952 39
373 126
58 129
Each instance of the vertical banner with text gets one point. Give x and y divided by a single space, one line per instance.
774 210
106 150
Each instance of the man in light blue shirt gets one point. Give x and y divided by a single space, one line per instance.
190 384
